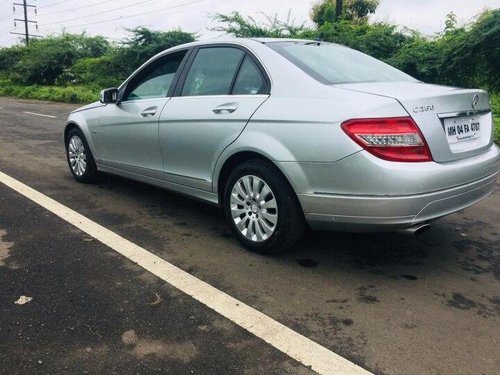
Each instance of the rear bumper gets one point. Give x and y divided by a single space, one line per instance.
365 193
365 213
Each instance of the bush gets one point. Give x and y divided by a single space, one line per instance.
237 25
380 40
9 57
97 71
45 59
466 57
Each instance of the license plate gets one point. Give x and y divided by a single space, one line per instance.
462 129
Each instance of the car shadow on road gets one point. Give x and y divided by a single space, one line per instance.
395 254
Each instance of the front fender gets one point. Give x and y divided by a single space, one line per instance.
86 121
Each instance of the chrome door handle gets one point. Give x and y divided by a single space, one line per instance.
149 112
225 109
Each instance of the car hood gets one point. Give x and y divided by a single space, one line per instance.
89 106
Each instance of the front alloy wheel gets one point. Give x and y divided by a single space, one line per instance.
80 159
76 156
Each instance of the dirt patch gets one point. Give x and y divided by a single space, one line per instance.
140 347
365 297
5 252
458 301
409 277
307 262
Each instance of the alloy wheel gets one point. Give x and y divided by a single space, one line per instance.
77 156
254 208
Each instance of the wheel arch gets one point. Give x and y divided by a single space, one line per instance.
237 158
70 126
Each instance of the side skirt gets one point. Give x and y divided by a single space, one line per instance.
202 195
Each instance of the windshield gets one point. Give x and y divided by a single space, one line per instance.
336 64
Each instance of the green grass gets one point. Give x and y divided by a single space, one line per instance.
68 94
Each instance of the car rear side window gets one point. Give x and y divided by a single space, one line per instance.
213 71
154 81
250 80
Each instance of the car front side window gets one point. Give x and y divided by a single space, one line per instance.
155 80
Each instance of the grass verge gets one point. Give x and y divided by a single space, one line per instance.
68 94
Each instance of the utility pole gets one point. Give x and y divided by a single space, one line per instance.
26 21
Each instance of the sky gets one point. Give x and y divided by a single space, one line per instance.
110 18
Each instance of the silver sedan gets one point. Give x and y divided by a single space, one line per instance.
284 133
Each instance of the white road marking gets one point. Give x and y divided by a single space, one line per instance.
293 344
39 114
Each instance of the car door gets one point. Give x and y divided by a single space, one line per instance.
216 96
128 130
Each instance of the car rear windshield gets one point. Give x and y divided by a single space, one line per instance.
336 64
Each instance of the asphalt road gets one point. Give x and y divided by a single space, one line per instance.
391 303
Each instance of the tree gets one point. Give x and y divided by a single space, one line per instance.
237 25
461 56
9 57
121 61
145 43
45 59
470 55
352 10
380 40
451 22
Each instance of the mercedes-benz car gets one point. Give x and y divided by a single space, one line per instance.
287 133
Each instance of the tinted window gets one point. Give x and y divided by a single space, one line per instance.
250 80
212 71
331 63
155 80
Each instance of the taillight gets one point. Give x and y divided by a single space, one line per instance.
394 139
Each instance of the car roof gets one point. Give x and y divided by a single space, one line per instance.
240 41
272 40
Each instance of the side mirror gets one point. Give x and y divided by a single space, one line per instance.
109 95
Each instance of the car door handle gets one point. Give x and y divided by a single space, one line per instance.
149 112
225 109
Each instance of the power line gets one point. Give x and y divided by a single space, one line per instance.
99 13
52 4
83 7
132 16
4 29
7 16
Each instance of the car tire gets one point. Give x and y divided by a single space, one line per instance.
262 208
80 160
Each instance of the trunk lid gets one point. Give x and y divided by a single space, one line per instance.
456 123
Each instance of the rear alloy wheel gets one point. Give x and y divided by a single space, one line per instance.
80 159
262 208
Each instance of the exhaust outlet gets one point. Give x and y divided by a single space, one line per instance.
417 230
